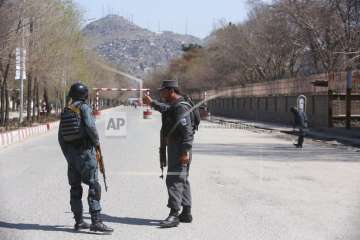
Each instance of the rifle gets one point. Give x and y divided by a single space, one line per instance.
162 153
100 160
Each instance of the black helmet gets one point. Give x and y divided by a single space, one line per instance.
79 91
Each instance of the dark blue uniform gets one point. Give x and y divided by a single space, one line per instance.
82 164
300 121
178 129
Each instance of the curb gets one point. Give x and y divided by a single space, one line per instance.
19 135
312 134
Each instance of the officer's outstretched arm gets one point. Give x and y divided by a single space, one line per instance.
159 106
89 123
184 128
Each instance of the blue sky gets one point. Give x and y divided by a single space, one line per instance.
196 17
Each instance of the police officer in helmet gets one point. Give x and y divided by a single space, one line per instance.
78 138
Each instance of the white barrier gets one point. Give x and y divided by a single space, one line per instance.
19 135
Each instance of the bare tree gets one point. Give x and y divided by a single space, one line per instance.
282 39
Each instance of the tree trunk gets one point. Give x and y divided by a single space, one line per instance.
30 83
58 102
5 95
46 100
6 106
34 100
2 104
29 98
38 100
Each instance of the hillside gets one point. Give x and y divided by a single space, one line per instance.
133 48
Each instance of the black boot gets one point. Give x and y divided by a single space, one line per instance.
172 220
185 215
297 145
97 225
80 223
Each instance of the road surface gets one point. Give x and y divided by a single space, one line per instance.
246 185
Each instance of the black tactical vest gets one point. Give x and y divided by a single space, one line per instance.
71 126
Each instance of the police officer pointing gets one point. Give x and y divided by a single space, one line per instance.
79 139
177 126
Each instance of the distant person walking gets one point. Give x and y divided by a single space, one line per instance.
300 122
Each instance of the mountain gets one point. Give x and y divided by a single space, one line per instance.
135 49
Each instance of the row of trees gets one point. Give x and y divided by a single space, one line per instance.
50 31
283 39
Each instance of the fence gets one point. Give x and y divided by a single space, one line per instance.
271 101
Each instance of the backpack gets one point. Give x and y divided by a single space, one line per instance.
71 127
194 114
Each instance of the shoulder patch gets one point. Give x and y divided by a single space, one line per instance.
183 122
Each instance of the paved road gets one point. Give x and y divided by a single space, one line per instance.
246 185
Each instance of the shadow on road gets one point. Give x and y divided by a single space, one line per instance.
38 227
273 152
130 221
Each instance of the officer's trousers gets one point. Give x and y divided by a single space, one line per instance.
301 136
84 169
177 180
